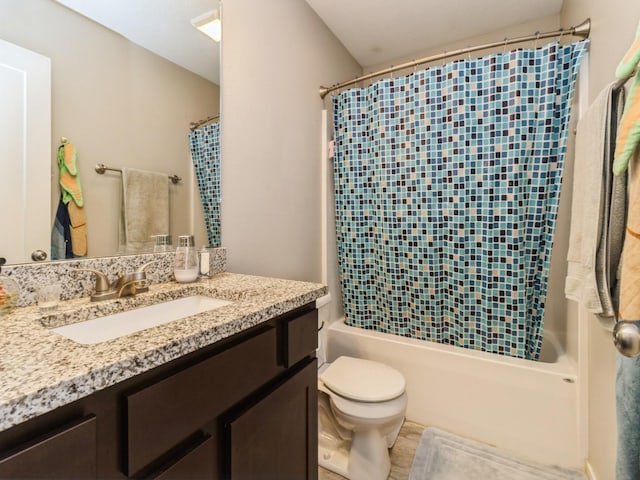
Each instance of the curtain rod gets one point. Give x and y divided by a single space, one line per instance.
199 123
101 168
581 30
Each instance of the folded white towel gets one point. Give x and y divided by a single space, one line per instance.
145 209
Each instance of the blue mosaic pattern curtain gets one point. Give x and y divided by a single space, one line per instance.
447 184
205 153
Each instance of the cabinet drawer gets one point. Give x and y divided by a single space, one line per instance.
196 464
163 414
301 337
68 452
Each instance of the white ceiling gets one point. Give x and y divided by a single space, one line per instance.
374 31
161 26
378 31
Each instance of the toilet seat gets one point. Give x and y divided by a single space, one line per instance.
363 380
370 411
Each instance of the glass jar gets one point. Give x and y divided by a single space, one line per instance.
162 243
185 266
9 293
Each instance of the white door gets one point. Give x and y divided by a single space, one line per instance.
25 161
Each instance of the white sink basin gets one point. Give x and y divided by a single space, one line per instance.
117 325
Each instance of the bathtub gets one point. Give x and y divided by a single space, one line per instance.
524 407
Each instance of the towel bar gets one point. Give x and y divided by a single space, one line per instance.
101 168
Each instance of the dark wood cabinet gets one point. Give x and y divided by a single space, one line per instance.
67 452
301 336
164 414
244 407
273 435
195 464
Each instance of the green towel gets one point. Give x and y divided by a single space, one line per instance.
69 177
629 128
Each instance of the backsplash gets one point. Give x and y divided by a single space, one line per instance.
80 284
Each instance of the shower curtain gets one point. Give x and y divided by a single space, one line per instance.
447 184
205 153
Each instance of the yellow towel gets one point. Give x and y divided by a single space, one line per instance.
626 149
70 158
629 308
78 229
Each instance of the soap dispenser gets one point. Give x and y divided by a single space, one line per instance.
9 292
185 267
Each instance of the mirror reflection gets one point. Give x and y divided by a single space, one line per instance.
112 102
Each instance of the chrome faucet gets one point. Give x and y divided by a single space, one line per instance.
126 285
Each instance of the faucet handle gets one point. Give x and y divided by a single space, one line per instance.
141 268
102 282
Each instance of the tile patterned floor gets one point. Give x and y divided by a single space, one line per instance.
401 454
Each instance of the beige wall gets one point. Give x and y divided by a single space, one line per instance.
275 55
613 26
119 104
543 24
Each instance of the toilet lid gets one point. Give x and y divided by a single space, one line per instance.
363 380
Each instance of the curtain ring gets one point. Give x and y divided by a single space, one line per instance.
469 52
560 36
535 44
504 45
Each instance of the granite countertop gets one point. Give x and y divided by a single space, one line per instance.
41 370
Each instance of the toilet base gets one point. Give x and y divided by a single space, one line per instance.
391 437
335 460
366 457
369 456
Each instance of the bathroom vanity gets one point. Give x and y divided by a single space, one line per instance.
230 393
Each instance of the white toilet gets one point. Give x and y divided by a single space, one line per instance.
361 407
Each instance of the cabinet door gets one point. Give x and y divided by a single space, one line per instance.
196 464
69 452
278 436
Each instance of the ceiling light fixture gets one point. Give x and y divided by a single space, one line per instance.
209 24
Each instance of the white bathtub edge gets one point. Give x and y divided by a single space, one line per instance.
563 367
478 396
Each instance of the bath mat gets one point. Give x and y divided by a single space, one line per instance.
443 456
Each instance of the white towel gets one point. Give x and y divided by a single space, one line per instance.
145 209
594 242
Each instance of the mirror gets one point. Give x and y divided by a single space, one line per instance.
119 104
